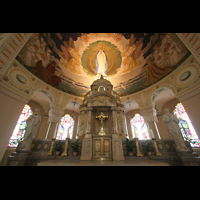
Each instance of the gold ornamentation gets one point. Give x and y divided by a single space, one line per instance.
102 117
167 146
156 147
39 146
5 78
97 145
45 146
106 145
137 148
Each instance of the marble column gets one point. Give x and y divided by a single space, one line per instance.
81 124
123 124
114 118
130 134
75 126
89 118
54 118
149 118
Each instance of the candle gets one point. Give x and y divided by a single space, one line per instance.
152 135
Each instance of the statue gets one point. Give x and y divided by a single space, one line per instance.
101 62
171 122
101 118
32 124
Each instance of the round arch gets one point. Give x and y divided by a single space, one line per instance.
130 105
158 90
72 99
49 94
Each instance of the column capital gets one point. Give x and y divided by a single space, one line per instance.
149 115
55 115
114 108
89 108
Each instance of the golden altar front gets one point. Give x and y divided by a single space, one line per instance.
102 147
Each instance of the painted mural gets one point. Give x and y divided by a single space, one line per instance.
131 61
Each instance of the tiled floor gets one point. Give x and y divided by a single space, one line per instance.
101 163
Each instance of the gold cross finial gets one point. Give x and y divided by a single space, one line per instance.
102 117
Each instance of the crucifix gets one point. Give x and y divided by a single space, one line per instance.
101 118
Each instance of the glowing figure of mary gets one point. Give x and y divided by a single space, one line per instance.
101 62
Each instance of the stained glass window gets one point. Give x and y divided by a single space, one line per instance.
187 129
65 128
19 131
139 128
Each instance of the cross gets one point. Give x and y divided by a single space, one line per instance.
102 117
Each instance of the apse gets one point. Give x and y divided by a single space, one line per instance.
133 61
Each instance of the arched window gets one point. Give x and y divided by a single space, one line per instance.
18 133
65 128
139 127
187 129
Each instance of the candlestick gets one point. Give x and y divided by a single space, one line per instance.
65 149
156 147
137 147
51 148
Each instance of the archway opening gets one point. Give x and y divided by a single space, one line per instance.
185 124
65 128
20 128
139 128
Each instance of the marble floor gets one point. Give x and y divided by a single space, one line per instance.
101 163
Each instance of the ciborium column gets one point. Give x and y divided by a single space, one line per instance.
89 118
114 120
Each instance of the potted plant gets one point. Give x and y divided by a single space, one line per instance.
58 147
130 147
74 146
147 147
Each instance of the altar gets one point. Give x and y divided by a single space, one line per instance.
102 149
102 122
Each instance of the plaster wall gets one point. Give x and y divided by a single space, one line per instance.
10 110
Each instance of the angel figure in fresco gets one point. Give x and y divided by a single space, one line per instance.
55 79
154 73
133 61
101 62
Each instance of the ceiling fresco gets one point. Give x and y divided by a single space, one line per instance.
131 61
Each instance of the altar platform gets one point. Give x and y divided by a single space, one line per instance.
40 148
102 163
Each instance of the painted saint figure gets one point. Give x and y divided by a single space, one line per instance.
55 80
101 62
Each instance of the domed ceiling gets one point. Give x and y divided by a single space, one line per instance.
131 61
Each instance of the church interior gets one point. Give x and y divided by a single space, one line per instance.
99 99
